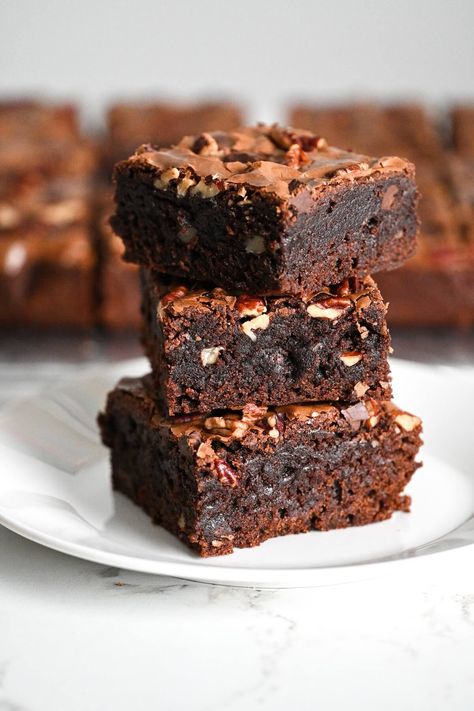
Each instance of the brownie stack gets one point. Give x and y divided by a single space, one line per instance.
268 409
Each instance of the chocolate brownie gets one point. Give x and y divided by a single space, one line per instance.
47 278
210 350
163 124
265 210
47 257
236 479
119 289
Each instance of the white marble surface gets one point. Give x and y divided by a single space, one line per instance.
76 636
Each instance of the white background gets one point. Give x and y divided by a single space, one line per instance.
263 51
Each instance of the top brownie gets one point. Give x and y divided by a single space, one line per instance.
265 210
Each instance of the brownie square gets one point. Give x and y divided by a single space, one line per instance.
265 210
209 349
47 256
236 479
43 141
47 278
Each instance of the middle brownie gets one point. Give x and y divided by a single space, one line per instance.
211 350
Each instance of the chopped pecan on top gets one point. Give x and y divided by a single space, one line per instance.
177 293
205 145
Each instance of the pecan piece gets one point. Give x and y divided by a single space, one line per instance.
330 308
259 322
205 145
407 422
209 356
177 293
250 306
350 358
225 473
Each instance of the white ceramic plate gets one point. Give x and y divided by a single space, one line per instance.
55 490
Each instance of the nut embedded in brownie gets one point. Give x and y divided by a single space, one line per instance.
236 479
209 349
265 210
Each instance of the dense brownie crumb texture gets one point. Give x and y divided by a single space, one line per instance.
235 479
265 210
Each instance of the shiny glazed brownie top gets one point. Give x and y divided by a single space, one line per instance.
266 158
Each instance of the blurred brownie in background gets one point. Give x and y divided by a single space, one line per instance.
436 286
462 117
160 123
118 287
47 252
47 258
38 121
403 129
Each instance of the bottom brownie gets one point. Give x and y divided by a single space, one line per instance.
235 479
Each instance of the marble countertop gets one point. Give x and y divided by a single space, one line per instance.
77 636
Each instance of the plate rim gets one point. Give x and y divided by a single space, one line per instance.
226 574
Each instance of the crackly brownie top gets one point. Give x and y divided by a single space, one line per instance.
268 158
